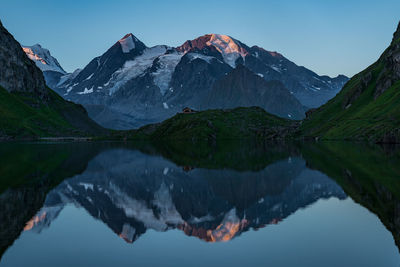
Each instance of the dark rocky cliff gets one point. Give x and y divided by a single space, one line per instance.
17 72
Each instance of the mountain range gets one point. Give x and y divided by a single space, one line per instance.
365 109
131 85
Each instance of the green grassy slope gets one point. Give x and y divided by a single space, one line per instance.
360 111
365 119
25 116
214 125
240 155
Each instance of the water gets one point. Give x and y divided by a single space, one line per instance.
231 204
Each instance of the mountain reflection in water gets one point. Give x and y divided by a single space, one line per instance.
132 192
215 194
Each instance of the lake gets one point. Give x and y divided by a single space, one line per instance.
226 204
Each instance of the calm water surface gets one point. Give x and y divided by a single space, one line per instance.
234 204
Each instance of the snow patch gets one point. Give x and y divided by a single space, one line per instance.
194 56
166 170
68 77
165 105
163 75
128 232
87 186
86 91
276 68
315 88
127 44
42 58
134 68
206 218
89 77
228 47
166 215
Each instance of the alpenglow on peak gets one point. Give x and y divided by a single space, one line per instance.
230 49
128 43
42 58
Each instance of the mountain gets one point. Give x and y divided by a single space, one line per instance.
28 108
118 88
309 88
368 106
131 85
49 65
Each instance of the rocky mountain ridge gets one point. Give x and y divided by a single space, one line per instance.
131 85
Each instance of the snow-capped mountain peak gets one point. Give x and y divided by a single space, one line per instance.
230 49
128 43
43 58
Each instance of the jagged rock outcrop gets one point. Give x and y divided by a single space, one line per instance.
29 109
391 70
17 72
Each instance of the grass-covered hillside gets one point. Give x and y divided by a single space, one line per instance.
24 115
367 108
212 125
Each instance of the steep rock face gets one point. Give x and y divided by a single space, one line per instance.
367 108
391 70
243 88
193 79
28 108
17 72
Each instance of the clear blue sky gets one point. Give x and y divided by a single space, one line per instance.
329 37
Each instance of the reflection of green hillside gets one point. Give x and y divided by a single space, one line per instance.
27 173
235 155
27 164
369 174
